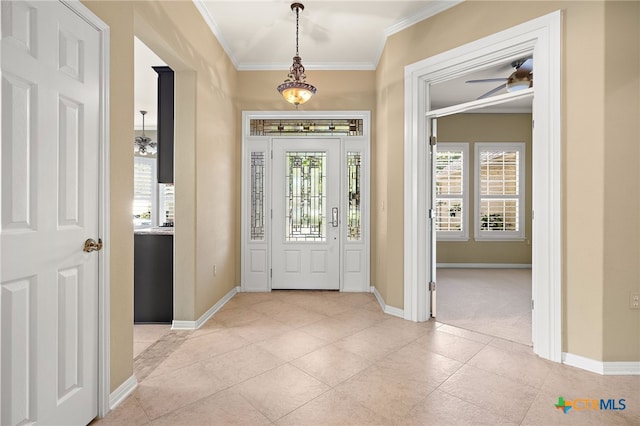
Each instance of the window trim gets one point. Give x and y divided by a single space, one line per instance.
519 235
462 235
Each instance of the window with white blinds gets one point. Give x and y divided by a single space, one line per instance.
451 186
144 192
499 182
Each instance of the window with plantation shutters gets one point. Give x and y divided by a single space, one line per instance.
499 199
451 187
144 192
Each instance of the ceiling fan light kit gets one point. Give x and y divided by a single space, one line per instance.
521 78
295 89
143 144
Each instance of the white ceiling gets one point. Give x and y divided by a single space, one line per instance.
335 35
260 35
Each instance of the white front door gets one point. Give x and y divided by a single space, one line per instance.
50 188
306 220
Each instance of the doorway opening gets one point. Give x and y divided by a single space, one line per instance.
482 202
539 39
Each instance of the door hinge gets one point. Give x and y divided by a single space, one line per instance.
533 124
432 286
431 215
532 304
271 213
271 273
433 140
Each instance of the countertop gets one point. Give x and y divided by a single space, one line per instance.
156 230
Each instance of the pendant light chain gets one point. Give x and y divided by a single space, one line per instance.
297 26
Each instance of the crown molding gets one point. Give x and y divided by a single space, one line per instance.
313 66
213 26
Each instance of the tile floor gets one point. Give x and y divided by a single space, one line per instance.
311 358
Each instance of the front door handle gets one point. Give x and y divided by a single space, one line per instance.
91 245
334 217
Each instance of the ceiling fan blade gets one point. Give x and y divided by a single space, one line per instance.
486 80
527 65
491 92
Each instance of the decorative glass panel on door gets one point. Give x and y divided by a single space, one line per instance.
354 214
305 197
257 195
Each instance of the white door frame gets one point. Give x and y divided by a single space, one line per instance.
104 316
256 256
542 38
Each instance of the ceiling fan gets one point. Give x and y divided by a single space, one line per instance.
520 78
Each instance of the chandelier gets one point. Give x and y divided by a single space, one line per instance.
294 89
143 144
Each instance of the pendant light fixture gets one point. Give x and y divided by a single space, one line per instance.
143 144
294 89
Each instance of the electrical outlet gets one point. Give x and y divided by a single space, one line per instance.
634 301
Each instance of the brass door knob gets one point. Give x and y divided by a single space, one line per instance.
91 245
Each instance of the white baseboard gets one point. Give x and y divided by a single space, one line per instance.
124 390
194 325
396 312
485 265
602 367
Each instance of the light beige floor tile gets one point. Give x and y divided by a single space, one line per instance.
375 342
208 327
358 300
242 364
528 369
139 347
511 346
163 394
385 393
442 409
297 316
292 344
329 329
490 391
223 408
331 364
250 298
232 317
271 307
200 348
451 346
414 362
129 413
280 391
358 319
260 329
467 334
327 307
333 408
409 329
149 332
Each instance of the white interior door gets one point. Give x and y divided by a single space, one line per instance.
50 187
432 215
306 217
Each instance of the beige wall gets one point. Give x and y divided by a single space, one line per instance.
590 117
621 180
206 150
473 128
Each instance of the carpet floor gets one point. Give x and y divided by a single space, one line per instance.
496 302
